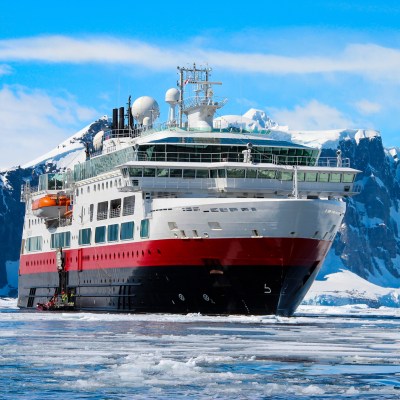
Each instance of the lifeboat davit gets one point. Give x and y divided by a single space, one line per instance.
51 206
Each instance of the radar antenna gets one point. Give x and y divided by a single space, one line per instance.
203 93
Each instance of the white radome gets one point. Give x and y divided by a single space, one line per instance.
143 107
172 96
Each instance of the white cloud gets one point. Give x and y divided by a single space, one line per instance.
33 122
369 60
312 116
367 107
5 69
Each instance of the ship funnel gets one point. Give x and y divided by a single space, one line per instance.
115 119
121 121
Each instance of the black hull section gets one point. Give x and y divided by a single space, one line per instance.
254 290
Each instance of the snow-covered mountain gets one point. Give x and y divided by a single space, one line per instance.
367 246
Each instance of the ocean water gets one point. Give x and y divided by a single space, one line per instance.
322 352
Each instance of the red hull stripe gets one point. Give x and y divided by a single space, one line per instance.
181 252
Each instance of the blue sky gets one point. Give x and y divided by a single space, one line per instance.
309 64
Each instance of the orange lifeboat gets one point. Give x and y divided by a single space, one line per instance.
51 206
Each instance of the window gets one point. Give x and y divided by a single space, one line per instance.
347 178
175 173
61 239
126 230
215 226
323 177
311 177
129 206
189 173
115 208
84 236
285 176
334 177
135 172
91 210
202 173
266 174
112 232
251 173
162 172
144 228
221 173
34 243
102 210
100 234
149 172
235 173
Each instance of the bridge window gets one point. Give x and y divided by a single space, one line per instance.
251 173
235 173
285 175
334 177
135 172
348 178
189 173
202 173
149 172
323 177
162 172
221 173
266 174
175 173
311 177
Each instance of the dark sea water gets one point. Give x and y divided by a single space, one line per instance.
322 353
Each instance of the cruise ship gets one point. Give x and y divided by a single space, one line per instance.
182 216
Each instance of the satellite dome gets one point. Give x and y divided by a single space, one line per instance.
145 106
172 96
98 140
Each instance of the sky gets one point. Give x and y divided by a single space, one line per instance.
310 65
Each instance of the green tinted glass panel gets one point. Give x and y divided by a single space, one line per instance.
162 172
235 173
189 173
334 177
202 173
301 176
149 172
311 176
221 173
135 172
251 173
285 176
347 178
323 177
266 174
175 173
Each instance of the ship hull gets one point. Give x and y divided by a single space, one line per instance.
242 276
